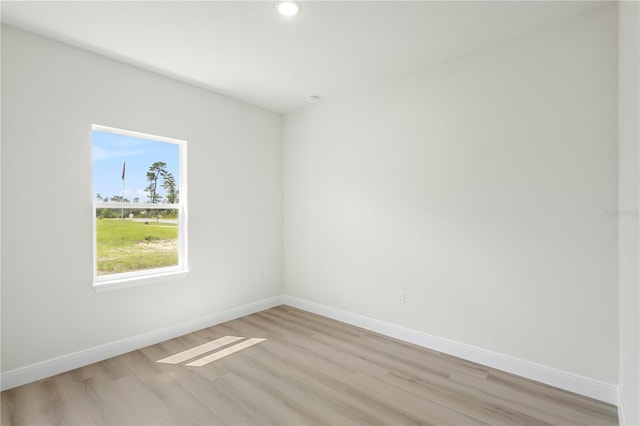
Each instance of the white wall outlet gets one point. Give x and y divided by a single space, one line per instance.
400 297
258 277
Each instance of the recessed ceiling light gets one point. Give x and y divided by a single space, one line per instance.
288 8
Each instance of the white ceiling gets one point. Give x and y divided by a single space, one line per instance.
245 50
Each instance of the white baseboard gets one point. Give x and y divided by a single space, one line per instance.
621 418
561 379
548 375
42 370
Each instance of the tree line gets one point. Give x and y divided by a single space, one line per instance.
158 177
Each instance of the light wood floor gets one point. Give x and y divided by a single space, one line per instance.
310 371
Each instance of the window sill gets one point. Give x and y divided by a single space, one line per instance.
120 282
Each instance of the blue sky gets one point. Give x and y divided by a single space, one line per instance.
111 150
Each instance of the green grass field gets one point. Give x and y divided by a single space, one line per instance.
125 245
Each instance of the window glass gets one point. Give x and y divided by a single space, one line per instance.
139 191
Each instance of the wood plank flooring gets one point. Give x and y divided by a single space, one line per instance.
310 370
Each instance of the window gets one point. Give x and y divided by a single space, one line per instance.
139 207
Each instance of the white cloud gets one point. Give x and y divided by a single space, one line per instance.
100 153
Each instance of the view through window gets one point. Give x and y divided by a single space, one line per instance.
139 204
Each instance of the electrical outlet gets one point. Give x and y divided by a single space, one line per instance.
258 277
400 297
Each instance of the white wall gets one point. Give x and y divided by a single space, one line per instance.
629 186
479 188
51 94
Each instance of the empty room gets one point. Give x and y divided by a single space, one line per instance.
320 212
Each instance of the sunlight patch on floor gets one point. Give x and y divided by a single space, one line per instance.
208 347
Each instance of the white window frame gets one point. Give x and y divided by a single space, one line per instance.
146 276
